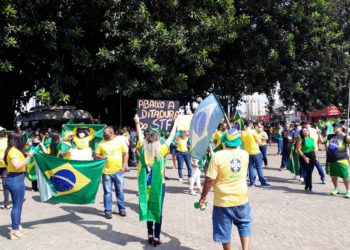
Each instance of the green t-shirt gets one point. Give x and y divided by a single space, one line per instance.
308 145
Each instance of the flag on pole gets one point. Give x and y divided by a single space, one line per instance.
205 120
238 121
68 181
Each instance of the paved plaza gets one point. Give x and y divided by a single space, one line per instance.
285 217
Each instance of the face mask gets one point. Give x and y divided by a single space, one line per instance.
81 135
260 129
107 136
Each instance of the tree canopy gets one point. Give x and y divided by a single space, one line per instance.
96 54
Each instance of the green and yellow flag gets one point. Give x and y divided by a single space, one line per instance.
238 121
94 129
150 190
68 181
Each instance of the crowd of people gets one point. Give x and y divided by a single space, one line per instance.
235 160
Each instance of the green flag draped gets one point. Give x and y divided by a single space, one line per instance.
69 181
150 190
31 174
293 164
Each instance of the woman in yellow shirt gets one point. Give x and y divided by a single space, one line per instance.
182 154
16 160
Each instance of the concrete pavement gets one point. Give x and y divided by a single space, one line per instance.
285 217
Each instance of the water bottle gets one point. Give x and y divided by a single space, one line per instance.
200 207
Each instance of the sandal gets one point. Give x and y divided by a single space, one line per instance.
8 206
15 235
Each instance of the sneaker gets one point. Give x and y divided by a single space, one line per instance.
334 191
282 167
301 179
312 190
266 185
347 195
15 235
323 181
192 192
181 180
251 185
122 213
108 216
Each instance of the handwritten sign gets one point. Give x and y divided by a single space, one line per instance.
157 113
184 122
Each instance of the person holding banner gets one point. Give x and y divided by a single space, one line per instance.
183 155
16 160
151 182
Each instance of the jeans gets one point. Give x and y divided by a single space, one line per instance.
15 185
181 158
320 169
118 180
308 168
285 157
263 150
3 175
157 226
279 146
255 161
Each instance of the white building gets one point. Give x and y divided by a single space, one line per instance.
255 107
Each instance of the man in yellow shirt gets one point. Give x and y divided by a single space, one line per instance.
115 150
251 141
3 171
227 173
217 136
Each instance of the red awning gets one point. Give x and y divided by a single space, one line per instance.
329 111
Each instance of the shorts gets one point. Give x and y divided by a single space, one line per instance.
338 169
172 150
223 217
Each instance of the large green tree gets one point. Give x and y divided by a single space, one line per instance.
98 54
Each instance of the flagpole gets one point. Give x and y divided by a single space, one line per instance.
223 111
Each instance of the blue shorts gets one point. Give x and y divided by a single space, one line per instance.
223 217
172 150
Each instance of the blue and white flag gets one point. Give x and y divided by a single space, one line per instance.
205 120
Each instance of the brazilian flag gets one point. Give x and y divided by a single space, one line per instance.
94 129
31 174
293 164
238 121
68 181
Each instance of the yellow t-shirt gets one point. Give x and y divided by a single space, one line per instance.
217 137
114 150
182 145
164 148
249 140
229 168
3 146
82 143
14 153
263 134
